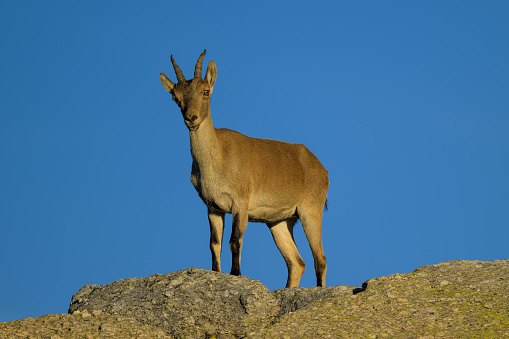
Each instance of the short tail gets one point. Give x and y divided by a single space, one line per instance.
325 206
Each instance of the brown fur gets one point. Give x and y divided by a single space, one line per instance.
259 180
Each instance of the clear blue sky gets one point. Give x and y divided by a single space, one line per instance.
405 103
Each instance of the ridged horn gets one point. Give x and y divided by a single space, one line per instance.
198 67
178 71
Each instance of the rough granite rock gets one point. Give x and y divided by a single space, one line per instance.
192 303
296 298
79 325
455 299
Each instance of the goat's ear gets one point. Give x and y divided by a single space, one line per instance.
211 74
167 83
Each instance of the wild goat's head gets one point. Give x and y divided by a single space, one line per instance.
192 96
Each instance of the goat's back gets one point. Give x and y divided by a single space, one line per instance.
273 164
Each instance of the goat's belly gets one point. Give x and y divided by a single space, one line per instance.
271 214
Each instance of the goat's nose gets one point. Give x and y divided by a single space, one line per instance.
194 117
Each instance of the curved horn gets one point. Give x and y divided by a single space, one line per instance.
198 67
178 71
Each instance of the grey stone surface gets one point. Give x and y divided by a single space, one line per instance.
454 299
296 298
192 303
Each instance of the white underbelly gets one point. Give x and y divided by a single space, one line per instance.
270 214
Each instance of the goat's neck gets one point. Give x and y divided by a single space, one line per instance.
204 144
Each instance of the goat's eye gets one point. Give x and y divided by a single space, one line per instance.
206 93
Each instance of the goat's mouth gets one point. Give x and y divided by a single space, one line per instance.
193 127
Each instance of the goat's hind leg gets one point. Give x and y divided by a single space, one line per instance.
216 222
311 219
282 232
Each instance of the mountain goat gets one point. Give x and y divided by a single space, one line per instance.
258 180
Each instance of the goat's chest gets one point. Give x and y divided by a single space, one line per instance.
212 189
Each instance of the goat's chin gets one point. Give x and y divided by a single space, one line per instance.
193 127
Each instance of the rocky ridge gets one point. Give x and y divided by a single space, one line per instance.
455 299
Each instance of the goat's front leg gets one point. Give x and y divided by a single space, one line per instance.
240 217
216 222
